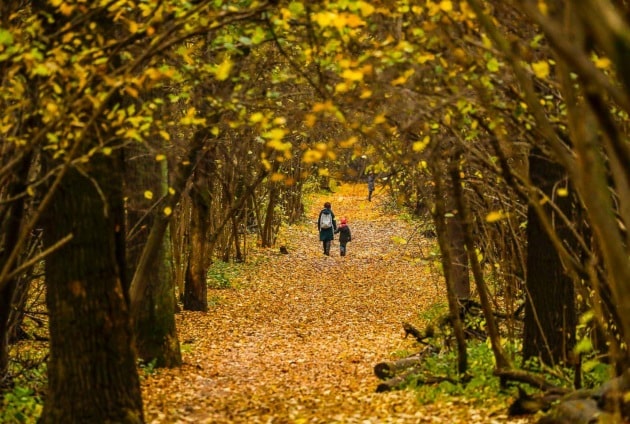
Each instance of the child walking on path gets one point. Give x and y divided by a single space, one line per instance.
344 236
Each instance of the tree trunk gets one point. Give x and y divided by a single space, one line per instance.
92 373
196 288
550 317
12 229
267 232
501 360
154 315
447 264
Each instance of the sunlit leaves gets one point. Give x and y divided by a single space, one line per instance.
419 146
541 69
191 118
493 65
6 38
222 71
495 216
602 62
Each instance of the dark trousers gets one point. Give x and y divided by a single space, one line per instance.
342 249
327 244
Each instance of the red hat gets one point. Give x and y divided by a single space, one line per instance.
344 220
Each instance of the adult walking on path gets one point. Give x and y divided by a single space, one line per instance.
370 182
326 225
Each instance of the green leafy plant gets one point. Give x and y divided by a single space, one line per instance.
20 405
222 274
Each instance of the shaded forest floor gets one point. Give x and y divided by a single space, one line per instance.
295 338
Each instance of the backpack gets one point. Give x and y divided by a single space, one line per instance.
325 221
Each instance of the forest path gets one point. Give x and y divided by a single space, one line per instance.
296 342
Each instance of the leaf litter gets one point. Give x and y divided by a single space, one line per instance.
296 341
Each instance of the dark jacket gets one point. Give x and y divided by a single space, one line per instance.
344 234
370 181
326 234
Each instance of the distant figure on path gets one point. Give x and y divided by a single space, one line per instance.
326 225
344 236
370 182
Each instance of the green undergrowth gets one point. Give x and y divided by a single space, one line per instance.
23 401
230 275
479 386
436 379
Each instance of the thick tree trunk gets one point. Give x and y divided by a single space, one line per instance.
550 317
92 375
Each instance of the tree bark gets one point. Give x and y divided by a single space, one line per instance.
550 317
154 315
447 261
13 229
484 296
92 373
196 288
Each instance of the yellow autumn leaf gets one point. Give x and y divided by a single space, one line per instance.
495 216
342 87
541 69
148 194
366 8
165 135
602 63
275 134
310 120
168 211
223 70
256 117
366 94
160 157
562 192
352 75
379 119
354 21
311 156
446 6
276 176
66 9
325 19
419 146
348 143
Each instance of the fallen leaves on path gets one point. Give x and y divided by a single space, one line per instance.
296 342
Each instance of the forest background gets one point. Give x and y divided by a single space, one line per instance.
144 140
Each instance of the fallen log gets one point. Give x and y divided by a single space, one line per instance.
385 370
401 380
395 382
388 369
577 411
417 334
529 378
